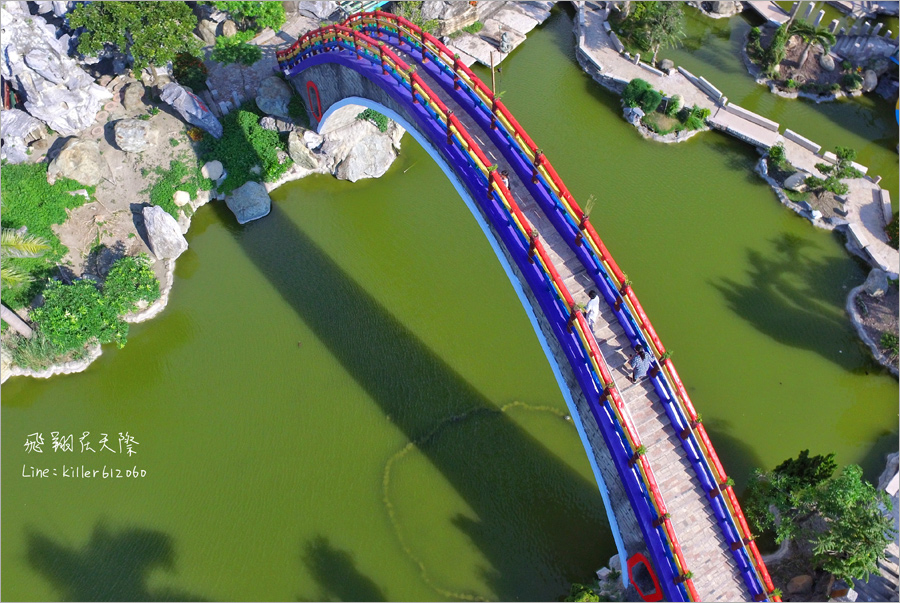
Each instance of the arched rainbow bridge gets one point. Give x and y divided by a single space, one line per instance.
655 466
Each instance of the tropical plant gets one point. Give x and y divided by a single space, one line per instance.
77 314
381 121
811 35
776 154
14 244
150 32
856 531
663 25
776 52
129 281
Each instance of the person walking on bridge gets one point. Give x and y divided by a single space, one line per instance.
640 363
592 310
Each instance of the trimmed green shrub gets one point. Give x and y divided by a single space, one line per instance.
381 121
235 50
74 315
179 177
634 92
852 81
694 118
129 281
651 100
262 14
776 154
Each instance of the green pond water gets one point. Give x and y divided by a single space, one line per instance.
345 400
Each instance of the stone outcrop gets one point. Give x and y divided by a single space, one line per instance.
17 129
163 233
796 182
273 97
133 97
876 283
354 149
301 154
212 170
135 135
317 10
56 90
870 80
249 202
79 160
826 61
191 108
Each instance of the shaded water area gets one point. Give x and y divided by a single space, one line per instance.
345 400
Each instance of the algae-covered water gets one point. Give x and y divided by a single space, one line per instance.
345 400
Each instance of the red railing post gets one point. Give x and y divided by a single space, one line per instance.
381 55
449 131
455 73
536 164
422 40
532 247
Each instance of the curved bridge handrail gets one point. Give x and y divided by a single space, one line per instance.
345 38
340 36
360 45
647 334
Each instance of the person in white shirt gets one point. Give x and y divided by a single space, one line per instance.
593 309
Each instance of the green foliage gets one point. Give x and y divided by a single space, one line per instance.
831 184
791 83
261 14
775 53
381 121
662 124
582 592
674 105
856 532
845 64
38 353
74 315
852 81
892 232
173 142
795 196
776 155
16 246
235 50
694 118
152 33
297 110
651 100
835 173
889 342
190 71
754 33
813 35
634 92
129 281
179 177
245 144
413 12
663 25
29 201
474 28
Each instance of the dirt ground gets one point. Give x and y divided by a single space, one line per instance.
113 218
810 71
879 315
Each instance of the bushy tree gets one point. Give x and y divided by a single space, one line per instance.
76 314
152 33
260 14
812 35
663 24
856 530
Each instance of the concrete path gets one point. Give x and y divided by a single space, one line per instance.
769 11
613 69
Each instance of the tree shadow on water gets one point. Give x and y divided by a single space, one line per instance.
335 572
110 567
419 391
796 300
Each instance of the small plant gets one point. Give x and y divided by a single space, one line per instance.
845 64
381 121
776 593
729 483
173 142
195 134
666 356
640 450
154 111
474 28
852 81
776 155
144 116
74 315
235 50
791 83
129 281
890 342
891 231
640 92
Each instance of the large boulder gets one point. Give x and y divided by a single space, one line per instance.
17 129
133 97
870 80
37 65
229 28
318 10
163 233
826 61
273 97
79 160
212 170
206 30
191 108
876 283
300 153
796 182
249 202
135 135
369 158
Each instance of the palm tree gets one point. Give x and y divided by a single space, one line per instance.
663 26
812 35
15 244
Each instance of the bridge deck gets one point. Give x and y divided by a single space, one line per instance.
716 575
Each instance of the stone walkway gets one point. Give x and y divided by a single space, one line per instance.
598 47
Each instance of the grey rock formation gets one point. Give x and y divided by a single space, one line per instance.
56 90
249 202
369 158
796 182
212 170
312 140
318 10
135 135
870 80
191 108
726 8
78 160
17 129
206 30
273 97
181 198
164 233
133 97
300 153
826 61
267 122
633 115
667 65
876 283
